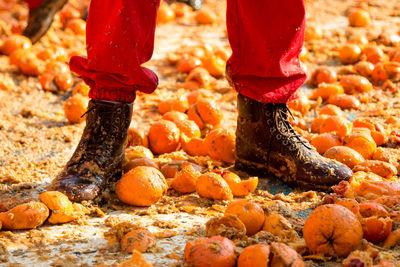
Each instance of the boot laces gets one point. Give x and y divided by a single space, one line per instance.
284 127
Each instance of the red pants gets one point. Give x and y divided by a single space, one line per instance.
33 3
266 38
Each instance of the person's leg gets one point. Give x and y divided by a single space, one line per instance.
266 38
120 37
41 14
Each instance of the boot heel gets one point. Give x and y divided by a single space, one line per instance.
251 168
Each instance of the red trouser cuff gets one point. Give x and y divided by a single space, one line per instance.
33 3
125 95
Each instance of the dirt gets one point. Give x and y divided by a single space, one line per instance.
36 141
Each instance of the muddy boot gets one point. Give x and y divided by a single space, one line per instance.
41 17
100 153
266 143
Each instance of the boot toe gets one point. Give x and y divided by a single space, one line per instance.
75 188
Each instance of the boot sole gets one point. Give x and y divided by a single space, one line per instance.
258 169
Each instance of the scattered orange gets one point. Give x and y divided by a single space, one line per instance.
373 54
345 155
194 146
164 137
376 221
186 179
209 111
361 141
178 103
283 255
331 110
200 76
229 226
336 124
393 239
325 141
25 216
188 128
240 188
325 90
214 251
61 207
381 168
220 144
137 137
13 43
213 186
215 65
276 224
332 230
250 213
165 14
81 88
194 96
254 256
353 84
75 107
359 18
141 186
205 16
364 68
188 63
350 53
344 101
323 75
174 116
77 26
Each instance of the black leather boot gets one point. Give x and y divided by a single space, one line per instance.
41 17
100 152
267 143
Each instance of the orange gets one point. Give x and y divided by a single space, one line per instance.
186 179
178 103
331 110
254 256
209 111
141 186
205 16
364 68
205 252
215 65
229 226
373 54
25 216
137 137
312 33
377 224
283 255
325 141
13 43
134 152
75 107
220 144
358 39
200 76
137 260
136 162
381 168
194 96
194 146
61 207
81 88
353 84
139 239
188 63
359 18
300 104
240 188
250 213
181 9
336 124
276 224
77 26
332 230
325 90
188 128
393 239
164 137
213 186
350 53
174 116
362 142
345 155
344 101
379 73
323 74
165 14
